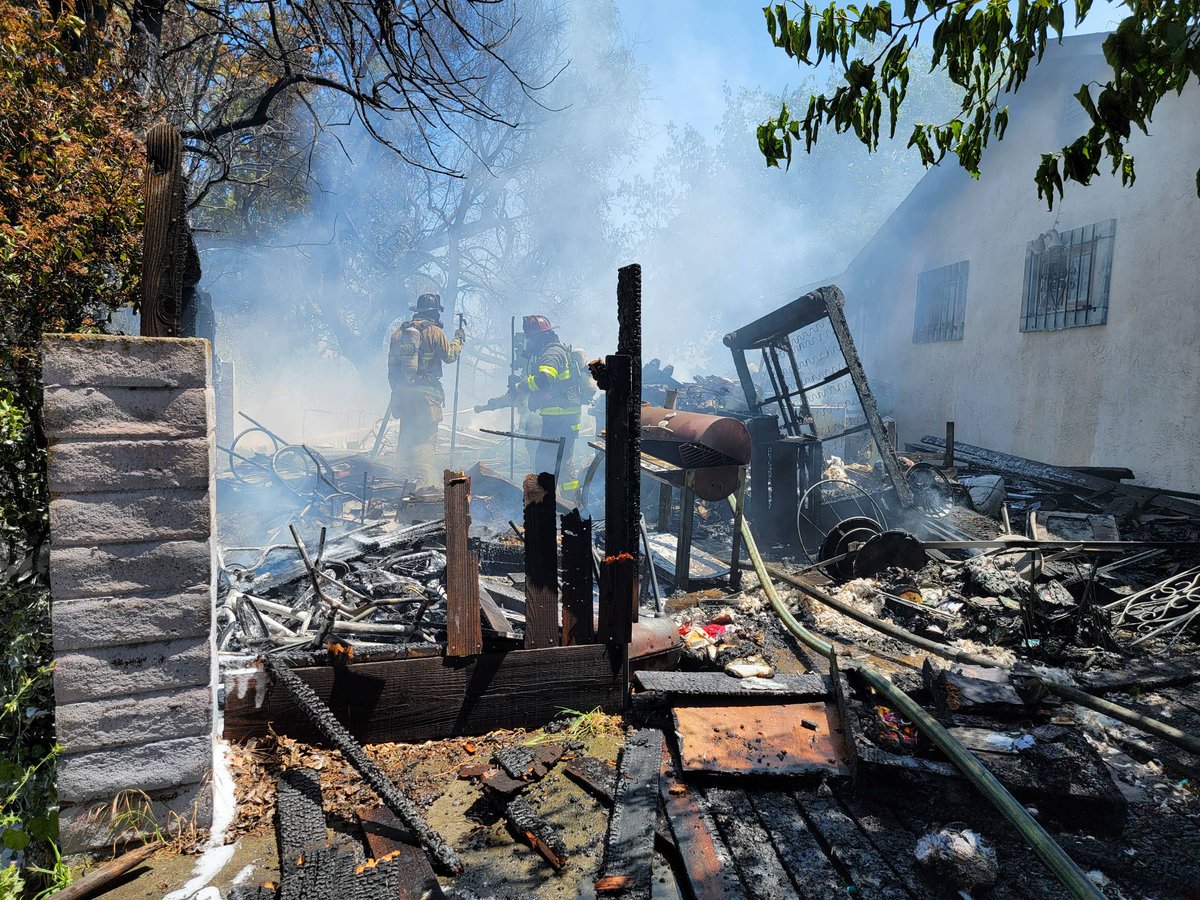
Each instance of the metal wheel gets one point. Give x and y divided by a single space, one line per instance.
815 517
932 491
243 463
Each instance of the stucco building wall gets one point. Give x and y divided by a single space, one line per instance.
1121 393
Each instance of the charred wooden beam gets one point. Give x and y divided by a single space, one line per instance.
464 631
599 779
541 563
299 813
323 720
99 878
537 831
618 598
529 763
577 580
387 838
628 866
623 412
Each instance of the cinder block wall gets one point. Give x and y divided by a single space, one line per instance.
129 423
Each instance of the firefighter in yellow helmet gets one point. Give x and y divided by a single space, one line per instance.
556 384
415 356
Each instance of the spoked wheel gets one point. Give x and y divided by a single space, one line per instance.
823 506
932 491
245 463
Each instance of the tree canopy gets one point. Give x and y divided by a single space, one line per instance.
986 50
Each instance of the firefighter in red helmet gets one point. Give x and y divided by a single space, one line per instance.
555 385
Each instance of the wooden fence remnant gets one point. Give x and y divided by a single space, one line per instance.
464 630
541 563
577 580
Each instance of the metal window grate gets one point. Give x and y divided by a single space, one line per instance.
1067 278
941 304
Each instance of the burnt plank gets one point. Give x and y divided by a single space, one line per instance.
801 853
299 812
887 834
497 622
464 634
718 684
763 875
628 867
427 699
387 837
1144 674
599 779
710 873
541 563
848 848
334 733
577 580
536 831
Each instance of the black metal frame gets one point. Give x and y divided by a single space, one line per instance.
772 335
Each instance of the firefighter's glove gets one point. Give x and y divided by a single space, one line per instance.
460 336
514 383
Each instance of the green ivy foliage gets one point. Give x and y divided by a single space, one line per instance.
985 48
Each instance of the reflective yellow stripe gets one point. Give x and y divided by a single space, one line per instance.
569 486
559 411
576 426
532 382
549 370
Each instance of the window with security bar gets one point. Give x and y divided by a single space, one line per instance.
1067 278
941 304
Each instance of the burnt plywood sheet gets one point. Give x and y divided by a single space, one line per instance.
767 739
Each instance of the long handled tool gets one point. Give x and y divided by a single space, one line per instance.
454 409
383 424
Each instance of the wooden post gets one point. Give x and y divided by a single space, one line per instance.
541 563
619 586
622 476
170 264
948 461
464 631
577 581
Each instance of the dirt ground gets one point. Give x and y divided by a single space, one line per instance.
497 864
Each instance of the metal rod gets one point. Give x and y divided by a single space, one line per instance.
383 424
454 408
658 600
512 410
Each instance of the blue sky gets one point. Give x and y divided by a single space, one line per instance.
692 48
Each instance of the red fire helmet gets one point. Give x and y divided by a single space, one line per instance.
536 324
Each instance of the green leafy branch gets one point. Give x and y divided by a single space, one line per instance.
985 48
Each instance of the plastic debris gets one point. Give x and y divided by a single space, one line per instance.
962 857
749 667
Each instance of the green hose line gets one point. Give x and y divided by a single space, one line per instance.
1080 698
1043 845
1128 716
1061 865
